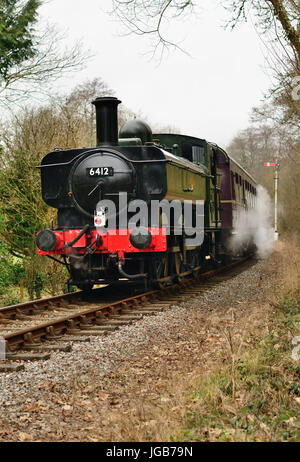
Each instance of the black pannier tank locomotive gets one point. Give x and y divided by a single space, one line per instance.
138 165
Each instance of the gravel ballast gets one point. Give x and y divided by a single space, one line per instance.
32 399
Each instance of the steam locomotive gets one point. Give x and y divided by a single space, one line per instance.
137 165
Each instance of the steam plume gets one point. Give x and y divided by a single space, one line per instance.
254 226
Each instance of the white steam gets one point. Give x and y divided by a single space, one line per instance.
254 226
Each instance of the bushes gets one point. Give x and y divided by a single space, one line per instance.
11 270
68 122
11 273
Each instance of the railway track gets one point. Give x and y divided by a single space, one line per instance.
31 330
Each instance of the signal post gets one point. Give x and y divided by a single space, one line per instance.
276 178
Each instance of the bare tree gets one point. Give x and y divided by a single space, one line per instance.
276 21
263 142
152 17
256 145
34 74
285 122
168 128
280 16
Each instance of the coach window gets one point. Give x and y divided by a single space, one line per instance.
198 154
232 186
194 153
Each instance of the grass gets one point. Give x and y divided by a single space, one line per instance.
255 395
259 399
250 390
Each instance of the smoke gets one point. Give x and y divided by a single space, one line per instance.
254 226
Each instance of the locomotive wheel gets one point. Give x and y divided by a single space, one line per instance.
79 276
194 259
179 266
161 267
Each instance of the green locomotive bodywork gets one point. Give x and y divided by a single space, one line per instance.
199 179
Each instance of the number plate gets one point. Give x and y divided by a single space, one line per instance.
100 171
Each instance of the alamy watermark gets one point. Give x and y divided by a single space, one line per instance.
296 88
178 218
296 350
2 349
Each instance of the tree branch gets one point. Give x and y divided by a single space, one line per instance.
291 33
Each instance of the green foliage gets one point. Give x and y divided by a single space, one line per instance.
290 306
267 382
68 122
16 33
10 298
11 270
21 206
24 213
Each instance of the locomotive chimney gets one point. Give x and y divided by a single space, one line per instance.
107 120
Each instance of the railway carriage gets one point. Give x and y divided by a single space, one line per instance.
138 165
238 196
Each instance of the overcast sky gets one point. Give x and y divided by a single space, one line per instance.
208 94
